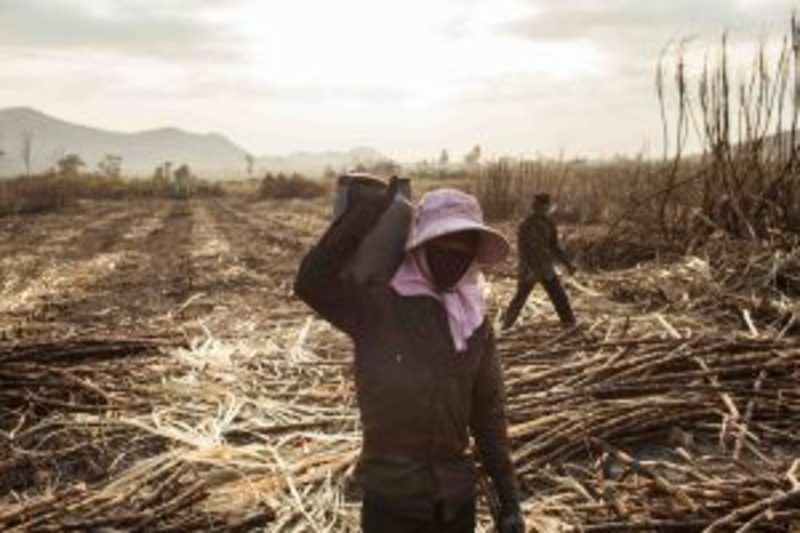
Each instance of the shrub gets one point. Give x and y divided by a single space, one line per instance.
47 192
33 195
283 187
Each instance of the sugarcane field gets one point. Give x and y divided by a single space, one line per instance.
158 375
582 317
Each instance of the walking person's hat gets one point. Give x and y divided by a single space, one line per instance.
445 211
541 200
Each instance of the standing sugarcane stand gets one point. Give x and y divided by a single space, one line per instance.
539 249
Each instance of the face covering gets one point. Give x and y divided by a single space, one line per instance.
447 266
465 304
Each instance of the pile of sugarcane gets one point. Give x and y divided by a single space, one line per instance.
68 464
148 435
666 431
647 423
752 283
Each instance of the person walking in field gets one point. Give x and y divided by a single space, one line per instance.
427 373
538 250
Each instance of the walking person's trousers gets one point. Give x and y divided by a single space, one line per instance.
555 291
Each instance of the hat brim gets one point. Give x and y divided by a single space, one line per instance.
492 248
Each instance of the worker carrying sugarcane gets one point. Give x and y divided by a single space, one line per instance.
427 374
538 250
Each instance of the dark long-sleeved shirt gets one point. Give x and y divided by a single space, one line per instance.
537 242
419 399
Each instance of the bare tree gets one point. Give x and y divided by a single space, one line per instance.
163 172
251 162
27 151
70 165
473 157
183 183
444 158
111 166
183 174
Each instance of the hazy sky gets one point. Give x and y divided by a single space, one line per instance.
408 77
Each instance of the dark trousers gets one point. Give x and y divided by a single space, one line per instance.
377 517
555 291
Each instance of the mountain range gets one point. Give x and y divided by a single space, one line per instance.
46 139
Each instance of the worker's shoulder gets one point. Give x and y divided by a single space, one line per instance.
534 221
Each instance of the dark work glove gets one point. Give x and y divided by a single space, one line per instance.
512 522
511 519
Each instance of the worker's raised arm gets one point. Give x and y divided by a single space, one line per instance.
319 282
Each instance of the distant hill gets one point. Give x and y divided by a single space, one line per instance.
210 155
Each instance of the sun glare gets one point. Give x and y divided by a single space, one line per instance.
430 49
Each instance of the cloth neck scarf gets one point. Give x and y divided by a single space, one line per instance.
465 305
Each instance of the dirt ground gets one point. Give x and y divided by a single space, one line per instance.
213 277
131 268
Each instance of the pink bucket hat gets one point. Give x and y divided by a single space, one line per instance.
446 211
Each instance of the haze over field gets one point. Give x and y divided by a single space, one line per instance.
407 78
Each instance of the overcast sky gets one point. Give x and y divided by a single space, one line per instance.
407 77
